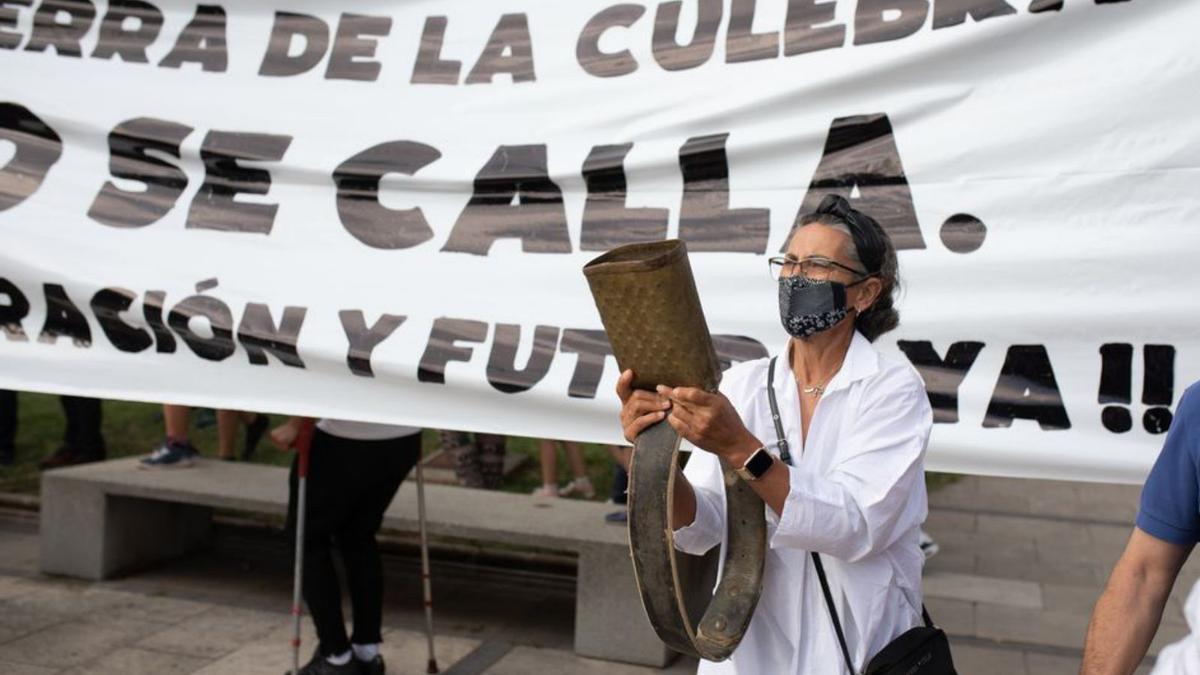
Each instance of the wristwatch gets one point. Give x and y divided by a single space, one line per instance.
756 465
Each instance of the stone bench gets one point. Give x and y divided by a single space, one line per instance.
110 518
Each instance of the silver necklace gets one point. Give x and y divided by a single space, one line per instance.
814 390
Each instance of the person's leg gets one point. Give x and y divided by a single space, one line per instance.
619 494
575 458
491 459
621 455
466 457
620 485
85 416
228 422
580 483
548 456
71 425
8 426
256 426
175 450
81 433
325 508
379 468
175 417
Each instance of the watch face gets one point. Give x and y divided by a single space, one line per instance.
759 463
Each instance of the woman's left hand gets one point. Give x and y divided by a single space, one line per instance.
709 421
284 435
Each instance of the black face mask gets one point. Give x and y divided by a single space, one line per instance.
808 306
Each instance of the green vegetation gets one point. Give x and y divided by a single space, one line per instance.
135 428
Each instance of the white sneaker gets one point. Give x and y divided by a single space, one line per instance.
928 546
581 486
546 492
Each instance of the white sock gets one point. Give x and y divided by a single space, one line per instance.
339 659
365 652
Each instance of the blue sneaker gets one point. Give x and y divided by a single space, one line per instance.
169 456
617 517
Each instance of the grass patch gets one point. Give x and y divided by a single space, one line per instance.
134 428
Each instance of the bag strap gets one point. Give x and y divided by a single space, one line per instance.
837 623
783 444
786 457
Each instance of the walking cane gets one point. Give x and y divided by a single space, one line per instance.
426 589
302 444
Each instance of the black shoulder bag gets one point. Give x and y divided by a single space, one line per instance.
923 650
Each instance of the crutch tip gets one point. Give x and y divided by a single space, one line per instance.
431 667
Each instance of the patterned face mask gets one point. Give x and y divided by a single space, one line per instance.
808 306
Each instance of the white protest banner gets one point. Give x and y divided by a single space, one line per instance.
379 210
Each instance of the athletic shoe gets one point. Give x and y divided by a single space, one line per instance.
254 433
169 456
929 547
581 486
617 517
319 665
373 667
546 492
64 456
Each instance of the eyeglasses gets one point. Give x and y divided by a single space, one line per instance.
814 267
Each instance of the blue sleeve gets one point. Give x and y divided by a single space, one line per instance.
1170 508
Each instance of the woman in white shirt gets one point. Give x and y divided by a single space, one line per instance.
856 424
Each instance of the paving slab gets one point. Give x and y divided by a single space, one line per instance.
1031 626
972 660
533 661
406 651
975 588
10 668
73 643
11 587
24 619
213 633
956 617
1021 565
133 661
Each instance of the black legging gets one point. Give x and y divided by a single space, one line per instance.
350 484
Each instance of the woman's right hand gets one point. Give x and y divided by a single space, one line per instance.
639 408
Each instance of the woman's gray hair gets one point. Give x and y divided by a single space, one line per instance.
871 249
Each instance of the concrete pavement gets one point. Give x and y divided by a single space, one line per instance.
1020 566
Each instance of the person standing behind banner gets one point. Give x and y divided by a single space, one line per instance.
478 463
82 439
354 471
1127 615
619 494
580 484
176 450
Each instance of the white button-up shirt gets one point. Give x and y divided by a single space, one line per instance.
857 497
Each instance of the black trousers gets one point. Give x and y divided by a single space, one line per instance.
82 432
620 485
8 419
350 485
